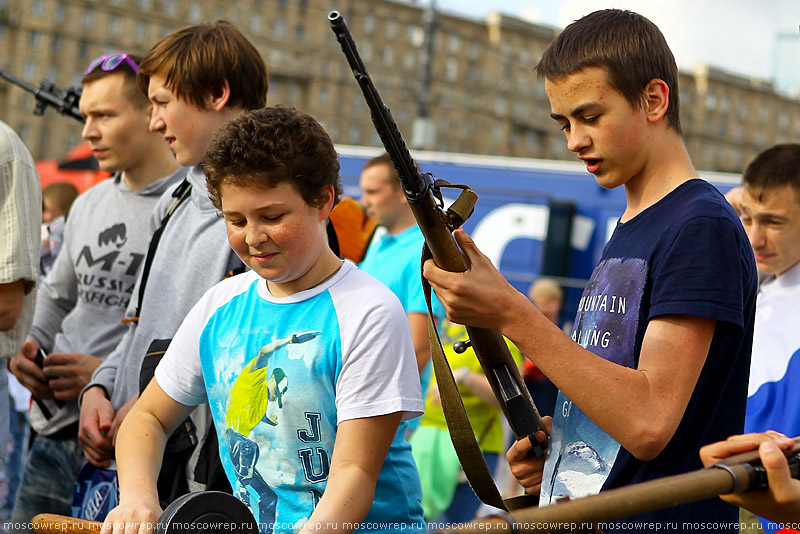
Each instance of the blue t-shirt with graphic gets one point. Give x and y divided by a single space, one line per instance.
687 254
280 374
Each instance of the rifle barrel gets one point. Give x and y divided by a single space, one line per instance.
737 476
490 347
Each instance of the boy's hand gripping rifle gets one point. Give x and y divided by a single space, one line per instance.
421 192
65 101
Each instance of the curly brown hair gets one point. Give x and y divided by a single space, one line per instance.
270 146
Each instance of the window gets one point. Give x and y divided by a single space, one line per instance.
255 23
391 29
725 104
300 33
388 56
333 131
409 60
278 28
473 51
358 105
140 31
293 94
37 8
87 20
195 12
366 50
354 137
711 101
532 140
143 5
497 132
369 23
35 39
29 70
454 44
83 50
451 69
322 96
416 36
60 13
500 106
169 8
114 25
44 139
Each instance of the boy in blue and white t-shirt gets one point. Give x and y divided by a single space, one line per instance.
306 362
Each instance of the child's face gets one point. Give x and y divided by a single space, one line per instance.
771 219
186 128
276 233
601 126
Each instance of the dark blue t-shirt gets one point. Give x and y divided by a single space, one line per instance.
687 254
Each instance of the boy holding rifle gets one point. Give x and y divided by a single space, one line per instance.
665 324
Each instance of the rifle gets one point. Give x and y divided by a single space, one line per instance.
422 194
736 474
65 101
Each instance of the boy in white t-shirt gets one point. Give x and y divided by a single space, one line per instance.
306 362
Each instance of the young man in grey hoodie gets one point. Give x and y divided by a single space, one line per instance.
190 103
84 297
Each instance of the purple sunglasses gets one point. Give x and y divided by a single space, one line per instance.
111 62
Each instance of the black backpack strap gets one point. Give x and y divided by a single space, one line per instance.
333 239
180 194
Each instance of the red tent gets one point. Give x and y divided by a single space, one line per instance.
79 168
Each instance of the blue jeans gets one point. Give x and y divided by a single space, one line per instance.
48 481
19 433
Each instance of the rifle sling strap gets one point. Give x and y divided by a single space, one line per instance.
466 445
180 194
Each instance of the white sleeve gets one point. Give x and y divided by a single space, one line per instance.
379 368
180 373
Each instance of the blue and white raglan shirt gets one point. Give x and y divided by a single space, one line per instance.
775 369
281 373
685 255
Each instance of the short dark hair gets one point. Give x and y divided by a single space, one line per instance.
138 99
384 159
270 146
775 167
629 46
61 193
196 61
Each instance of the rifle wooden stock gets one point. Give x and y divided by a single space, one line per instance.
490 347
60 524
737 475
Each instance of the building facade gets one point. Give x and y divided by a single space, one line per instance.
482 97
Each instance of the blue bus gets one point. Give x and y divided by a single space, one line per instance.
533 217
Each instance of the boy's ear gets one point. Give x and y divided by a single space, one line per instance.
656 99
218 102
325 205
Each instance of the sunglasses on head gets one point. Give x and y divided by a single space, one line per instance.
111 62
